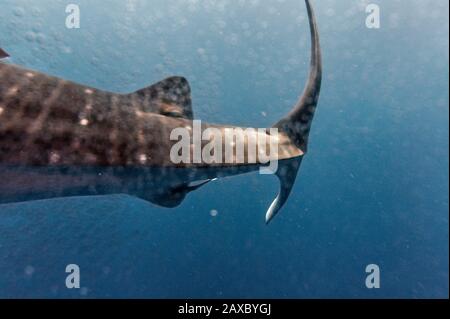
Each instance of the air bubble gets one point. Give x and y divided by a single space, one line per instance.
213 213
19 12
29 270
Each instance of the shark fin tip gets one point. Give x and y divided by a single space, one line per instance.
3 54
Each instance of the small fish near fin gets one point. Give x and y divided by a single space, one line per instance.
3 54
174 196
286 173
170 97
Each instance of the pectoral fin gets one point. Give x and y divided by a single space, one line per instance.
172 196
3 54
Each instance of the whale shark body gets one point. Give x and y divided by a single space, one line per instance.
59 138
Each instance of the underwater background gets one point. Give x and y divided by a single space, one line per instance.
373 188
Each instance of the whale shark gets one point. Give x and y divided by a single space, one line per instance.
59 138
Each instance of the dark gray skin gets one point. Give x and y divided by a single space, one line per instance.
59 138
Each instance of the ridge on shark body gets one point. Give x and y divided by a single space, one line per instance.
59 138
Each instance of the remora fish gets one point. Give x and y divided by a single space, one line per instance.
59 138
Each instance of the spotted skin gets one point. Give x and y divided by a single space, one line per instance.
50 121
45 120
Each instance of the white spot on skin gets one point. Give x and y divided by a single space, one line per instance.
88 106
143 158
1 110
54 158
139 113
13 90
88 91
29 75
84 122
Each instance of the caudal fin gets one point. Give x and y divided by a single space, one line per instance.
297 123
3 54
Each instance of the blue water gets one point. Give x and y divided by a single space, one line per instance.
372 189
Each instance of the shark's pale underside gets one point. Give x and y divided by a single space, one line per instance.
59 138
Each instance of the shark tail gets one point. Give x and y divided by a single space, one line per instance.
297 123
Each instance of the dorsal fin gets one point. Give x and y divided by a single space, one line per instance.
3 54
170 97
